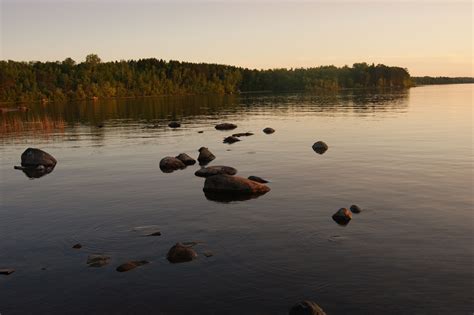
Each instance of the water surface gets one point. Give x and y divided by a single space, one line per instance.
405 157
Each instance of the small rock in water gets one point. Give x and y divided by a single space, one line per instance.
97 260
186 159
200 131
77 246
268 130
320 147
158 233
225 126
342 216
6 271
231 139
306 308
355 209
242 134
174 124
180 253
131 265
215 170
205 156
258 179
233 184
169 164
208 253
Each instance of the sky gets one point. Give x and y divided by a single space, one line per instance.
427 37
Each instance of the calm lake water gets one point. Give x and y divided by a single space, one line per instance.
405 157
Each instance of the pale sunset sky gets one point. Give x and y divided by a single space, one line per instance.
427 37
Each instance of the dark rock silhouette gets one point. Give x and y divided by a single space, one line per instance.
355 209
174 124
6 271
227 187
342 216
306 308
231 139
242 134
205 156
34 157
186 159
180 253
268 130
320 147
226 126
169 164
35 171
215 170
131 265
77 246
258 179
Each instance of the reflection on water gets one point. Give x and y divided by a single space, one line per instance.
35 172
408 252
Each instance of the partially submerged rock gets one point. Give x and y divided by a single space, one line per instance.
180 253
342 216
97 260
34 157
268 130
258 179
205 156
169 164
6 271
235 185
231 139
208 253
306 308
186 159
215 170
242 134
355 209
157 233
320 147
77 246
174 124
35 171
225 126
131 265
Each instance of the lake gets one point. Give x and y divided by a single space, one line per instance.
405 157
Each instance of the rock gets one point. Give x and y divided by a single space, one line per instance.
306 308
231 140
215 170
205 156
100 126
320 147
258 179
200 131
186 159
268 130
97 260
180 253
208 253
242 134
226 126
355 209
77 246
158 233
35 157
234 185
169 164
174 124
35 171
6 271
342 216
131 265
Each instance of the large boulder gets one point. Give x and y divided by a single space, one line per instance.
320 147
169 164
205 156
342 216
180 253
236 185
306 308
33 157
186 159
215 170
225 126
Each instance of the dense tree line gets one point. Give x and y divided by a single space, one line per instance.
56 81
441 80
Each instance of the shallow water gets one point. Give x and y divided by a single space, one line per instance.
405 157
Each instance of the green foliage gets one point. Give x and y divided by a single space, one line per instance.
58 81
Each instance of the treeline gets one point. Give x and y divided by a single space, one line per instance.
441 80
67 80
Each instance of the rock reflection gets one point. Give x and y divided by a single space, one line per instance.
35 172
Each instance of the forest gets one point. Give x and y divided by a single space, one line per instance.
92 79
441 80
